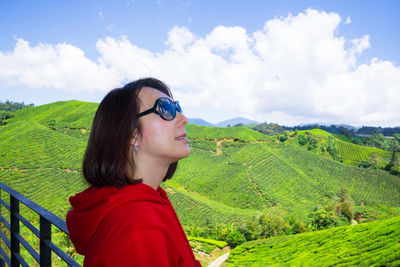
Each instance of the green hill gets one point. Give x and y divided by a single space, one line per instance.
234 174
256 176
331 146
355 154
69 114
370 244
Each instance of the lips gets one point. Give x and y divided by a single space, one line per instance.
182 136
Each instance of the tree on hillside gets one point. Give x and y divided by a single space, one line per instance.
379 141
374 161
394 164
397 139
336 211
269 128
312 142
302 139
52 124
8 108
272 225
235 238
249 229
283 137
13 106
332 149
322 218
296 226
346 208
5 116
345 132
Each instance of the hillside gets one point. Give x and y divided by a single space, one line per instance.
370 244
330 146
233 174
258 175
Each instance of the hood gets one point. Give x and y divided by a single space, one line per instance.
91 205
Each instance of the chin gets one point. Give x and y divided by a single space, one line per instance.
186 153
178 153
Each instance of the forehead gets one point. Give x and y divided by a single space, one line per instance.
148 97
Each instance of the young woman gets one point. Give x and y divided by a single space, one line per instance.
125 218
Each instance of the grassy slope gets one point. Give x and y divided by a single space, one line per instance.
354 154
233 173
350 153
259 175
71 114
375 243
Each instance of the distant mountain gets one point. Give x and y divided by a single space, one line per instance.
235 121
200 122
230 122
346 126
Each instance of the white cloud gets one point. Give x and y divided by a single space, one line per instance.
348 20
296 69
60 67
179 37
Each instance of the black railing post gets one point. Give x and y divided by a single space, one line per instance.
2 263
47 219
14 206
45 235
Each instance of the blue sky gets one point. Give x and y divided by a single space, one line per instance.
288 62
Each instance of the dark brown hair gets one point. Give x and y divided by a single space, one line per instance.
107 153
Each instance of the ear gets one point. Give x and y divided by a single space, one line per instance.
135 140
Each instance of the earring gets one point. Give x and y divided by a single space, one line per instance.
136 148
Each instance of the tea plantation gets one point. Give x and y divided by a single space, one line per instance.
234 175
370 244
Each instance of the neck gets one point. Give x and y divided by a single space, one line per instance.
151 172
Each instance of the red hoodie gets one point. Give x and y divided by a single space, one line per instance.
130 226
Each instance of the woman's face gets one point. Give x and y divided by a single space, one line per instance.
161 140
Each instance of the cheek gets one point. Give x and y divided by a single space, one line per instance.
156 132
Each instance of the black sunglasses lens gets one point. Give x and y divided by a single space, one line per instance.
178 107
167 109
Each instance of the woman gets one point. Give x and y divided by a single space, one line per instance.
125 218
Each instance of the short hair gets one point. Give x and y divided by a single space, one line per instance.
106 159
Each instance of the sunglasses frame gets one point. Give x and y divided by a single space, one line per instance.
175 104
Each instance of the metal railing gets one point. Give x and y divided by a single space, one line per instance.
44 233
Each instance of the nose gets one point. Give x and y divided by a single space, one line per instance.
181 119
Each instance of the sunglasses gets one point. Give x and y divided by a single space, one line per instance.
164 108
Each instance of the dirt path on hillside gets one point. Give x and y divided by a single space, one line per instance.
219 260
218 147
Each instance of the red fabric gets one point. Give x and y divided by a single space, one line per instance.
130 226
